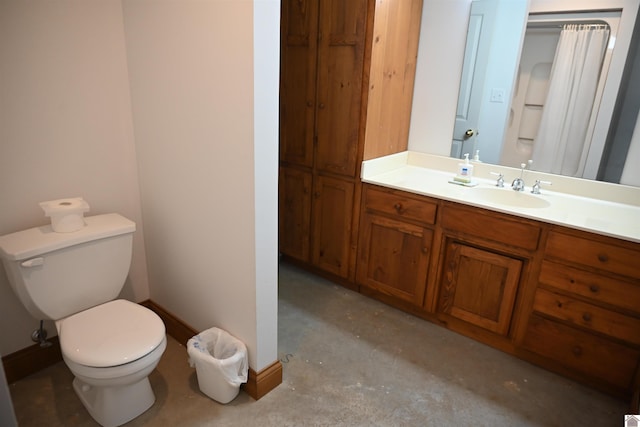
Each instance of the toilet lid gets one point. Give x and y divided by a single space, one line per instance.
110 334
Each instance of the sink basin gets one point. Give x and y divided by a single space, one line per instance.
509 197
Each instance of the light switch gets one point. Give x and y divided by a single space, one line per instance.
497 95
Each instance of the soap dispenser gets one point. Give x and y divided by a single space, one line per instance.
465 171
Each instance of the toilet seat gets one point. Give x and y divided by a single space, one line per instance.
111 334
116 375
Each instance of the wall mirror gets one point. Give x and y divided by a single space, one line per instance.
546 81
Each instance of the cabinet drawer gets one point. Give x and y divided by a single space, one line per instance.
397 203
494 227
596 287
592 253
580 351
588 316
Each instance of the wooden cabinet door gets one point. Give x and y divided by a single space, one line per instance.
394 257
295 213
479 286
299 35
332 215
340 68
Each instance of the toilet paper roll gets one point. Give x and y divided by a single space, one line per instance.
67 215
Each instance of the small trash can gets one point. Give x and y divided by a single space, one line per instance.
221 363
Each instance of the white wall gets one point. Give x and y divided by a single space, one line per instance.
205 99
207 156
266 86
65 129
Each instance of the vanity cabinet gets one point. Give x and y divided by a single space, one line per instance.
586 309
396 238
482 265
564 299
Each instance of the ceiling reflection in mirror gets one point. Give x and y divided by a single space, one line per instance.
533 87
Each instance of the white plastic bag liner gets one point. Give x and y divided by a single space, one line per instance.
221 363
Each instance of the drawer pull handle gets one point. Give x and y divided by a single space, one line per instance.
594 288
586 317
398 207
603 257
577 351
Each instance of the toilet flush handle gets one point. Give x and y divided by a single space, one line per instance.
33 262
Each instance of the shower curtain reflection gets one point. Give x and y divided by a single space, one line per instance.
560 145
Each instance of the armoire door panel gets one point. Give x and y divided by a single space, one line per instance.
332 215
295 213
298 81
340 69
343 22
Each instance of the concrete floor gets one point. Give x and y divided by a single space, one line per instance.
349 361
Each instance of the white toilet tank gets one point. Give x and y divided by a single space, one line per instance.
59 274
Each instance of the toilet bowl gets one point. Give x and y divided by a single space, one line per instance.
111 349
117 400
110 345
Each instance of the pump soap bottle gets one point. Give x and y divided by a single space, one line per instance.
465 172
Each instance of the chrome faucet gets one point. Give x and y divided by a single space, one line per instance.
518 183
499 180
536 187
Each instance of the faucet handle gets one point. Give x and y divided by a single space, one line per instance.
536 187
500 180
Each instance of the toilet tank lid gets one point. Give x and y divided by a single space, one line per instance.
37 241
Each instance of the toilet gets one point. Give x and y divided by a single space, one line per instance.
74 278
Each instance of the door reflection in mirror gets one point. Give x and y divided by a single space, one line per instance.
490 61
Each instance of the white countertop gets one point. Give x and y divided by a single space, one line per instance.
599 207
